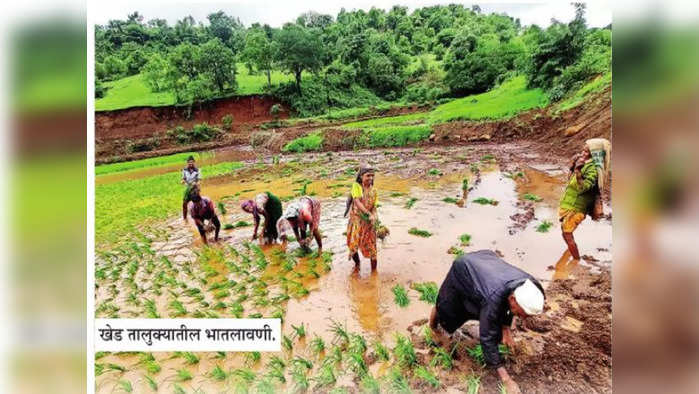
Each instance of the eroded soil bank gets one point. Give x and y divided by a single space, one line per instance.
568 349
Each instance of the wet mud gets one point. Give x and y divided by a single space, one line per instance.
566 350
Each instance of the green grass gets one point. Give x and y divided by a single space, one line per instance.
420 233
391 120
121 207
504 101
307 143
595 86
178 158
133 91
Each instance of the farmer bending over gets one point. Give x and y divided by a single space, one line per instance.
481 286
200 209
190 177
588 173
300 214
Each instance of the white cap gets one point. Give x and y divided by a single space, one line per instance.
530 298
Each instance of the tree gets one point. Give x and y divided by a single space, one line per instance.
218 61
155 73
114 68
299 49
261 52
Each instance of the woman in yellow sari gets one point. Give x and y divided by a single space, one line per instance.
361 228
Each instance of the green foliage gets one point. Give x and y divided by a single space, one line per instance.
199 133
476 353
411 201
442 358
308 143
465 239
381 351
395 136
578 97
300 49
428 291
420 233
227 122
404 352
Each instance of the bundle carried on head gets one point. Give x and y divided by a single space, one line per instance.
601 151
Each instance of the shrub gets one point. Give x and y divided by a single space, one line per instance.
227 122
259 138
199 133
275 110
144 145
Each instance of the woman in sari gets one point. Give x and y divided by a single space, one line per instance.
361 228
300 215
270 207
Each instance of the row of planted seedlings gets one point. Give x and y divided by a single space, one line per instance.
222 281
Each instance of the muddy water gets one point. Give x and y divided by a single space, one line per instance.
363 300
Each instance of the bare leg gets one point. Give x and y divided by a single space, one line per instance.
217 224
373 264
572 246
355 257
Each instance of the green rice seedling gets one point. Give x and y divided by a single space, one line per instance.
287 343
183 375
428 336
476 353
276 362
115 367
404 352
276 373
442 358
299 361
381 351
178 389
151 383
532 197
222 208
400 296
198 314
464 184
411 201
299 331
256 315
325 376
474 168
149 363
434 172
228 226
465 239
265 386
219 305
356 364
338 390
473 383
544 226
397 382
99 355
99 369
428 377
177 309
357 344
278 314
341 336
420 233
450 200
241 223
262 302
317 345
222 293
218 373
396 194
502 389
252 358
428 291
278 299
300 379
487 157
241 298
125 385
192 292
190 357
301 292
151 310
485 201
220 355
244 374
370 385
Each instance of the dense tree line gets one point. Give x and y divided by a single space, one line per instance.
356 56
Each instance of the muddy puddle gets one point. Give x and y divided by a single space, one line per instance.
363 302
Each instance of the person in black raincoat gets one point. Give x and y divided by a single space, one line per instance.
481 286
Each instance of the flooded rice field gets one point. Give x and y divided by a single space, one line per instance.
343 328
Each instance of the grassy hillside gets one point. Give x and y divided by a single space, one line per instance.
134 92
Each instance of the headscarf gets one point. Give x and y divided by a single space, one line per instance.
248 206
358 180
530 298
600 150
